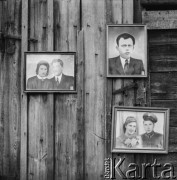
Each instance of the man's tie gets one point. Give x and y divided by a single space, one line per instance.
58 81
126 67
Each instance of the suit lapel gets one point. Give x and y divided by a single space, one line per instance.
119 66
131 67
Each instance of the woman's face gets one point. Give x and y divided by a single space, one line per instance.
42 72
130 128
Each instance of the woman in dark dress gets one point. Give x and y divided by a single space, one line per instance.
40 81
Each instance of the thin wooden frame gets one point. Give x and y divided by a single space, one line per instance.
120 143
48 57
138 55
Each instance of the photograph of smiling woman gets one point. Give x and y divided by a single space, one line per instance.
129 138
40 81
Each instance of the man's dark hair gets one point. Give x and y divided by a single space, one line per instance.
59 61
45 63
125 36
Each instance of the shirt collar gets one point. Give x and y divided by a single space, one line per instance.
58 78
123 61
39 77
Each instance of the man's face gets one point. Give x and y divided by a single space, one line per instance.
42 72
57 68
148 126
130 128
125 47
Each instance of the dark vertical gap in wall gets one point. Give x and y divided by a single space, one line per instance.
137 16
80 15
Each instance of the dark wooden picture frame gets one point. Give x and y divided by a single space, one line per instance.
140 130
50 72
127 51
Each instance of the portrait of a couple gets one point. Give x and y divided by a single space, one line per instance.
140 130
130 137
57 80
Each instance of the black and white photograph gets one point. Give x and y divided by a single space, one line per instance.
140 130
126 51
50 71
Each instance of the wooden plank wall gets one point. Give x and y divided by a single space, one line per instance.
163 70
67 136
10 73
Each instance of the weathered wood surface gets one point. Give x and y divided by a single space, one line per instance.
162 50
159 2
93 21
81 135
66 24
123 15
80 107
162 60
41 107
172 104
10 90
24 47
163 85
160 19
163 159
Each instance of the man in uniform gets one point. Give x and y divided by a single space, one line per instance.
124 64
150 138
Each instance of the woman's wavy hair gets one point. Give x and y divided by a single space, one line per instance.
45 63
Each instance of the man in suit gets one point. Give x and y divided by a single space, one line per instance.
124 64
61 81
150 138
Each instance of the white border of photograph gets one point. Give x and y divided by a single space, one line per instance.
139 32
161 127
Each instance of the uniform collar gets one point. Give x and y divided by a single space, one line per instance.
149 135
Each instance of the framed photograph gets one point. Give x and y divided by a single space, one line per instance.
50 72
127 51
140 130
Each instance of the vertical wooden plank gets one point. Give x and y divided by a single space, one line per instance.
93 21
80 106
125 15
41 107
114 16
50 124
67 22
129 99
14 17
24 47
10 93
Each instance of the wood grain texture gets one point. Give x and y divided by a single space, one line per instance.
113 16
172 104
23 152
50 123
10 91
160 19
93 22
172 139
80 107
170 158
67 152
41 107
158 2
162 50
163 86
